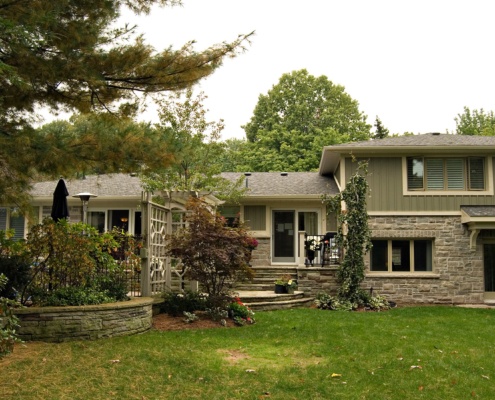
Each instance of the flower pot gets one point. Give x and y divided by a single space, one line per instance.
280 289
290 290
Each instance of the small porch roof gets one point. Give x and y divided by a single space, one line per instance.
477 218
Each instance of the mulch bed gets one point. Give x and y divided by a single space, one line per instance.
165 322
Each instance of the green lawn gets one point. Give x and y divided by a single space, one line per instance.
406 353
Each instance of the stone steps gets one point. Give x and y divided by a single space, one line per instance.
259 294
268 300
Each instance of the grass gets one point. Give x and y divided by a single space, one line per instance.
405 353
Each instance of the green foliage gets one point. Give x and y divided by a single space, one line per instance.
60 261
71 56
176 304
217 313
325 301
240 313
213 253
380 131
297 117
196 148
74 296
475 122
99 143
353 235
190 317
8 321
15 265
66 254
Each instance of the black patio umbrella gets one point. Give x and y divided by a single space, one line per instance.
60 209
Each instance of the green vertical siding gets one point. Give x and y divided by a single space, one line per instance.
385 180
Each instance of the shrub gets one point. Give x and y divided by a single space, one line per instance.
17 269
240 313
325 301
60 260
8 321
213 253
14 264
176 304
74 296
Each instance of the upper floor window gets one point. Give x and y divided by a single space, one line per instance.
452 173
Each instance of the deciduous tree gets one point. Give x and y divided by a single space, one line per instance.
475 122
195 146
299 115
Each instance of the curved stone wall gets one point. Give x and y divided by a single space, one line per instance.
59 324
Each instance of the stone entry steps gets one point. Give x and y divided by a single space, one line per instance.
265 277
260 295
268 300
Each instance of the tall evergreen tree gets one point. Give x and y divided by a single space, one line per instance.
380 131
66 55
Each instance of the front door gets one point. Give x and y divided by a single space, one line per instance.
489 266
284 236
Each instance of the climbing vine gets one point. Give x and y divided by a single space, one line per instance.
353 235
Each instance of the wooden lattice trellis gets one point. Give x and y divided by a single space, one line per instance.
157 268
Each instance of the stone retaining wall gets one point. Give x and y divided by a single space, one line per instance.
58 324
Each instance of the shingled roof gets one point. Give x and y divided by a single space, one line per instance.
424 140
429 143
292 184
109 185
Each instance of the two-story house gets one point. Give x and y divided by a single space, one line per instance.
431 211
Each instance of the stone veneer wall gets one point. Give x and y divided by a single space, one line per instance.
58 324
261 256
457 275
313 280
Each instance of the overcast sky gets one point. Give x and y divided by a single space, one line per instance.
415 64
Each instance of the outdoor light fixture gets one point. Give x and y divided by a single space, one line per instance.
85 196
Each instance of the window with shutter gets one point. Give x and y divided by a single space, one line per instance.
434 174
455 173
447 173
255 217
